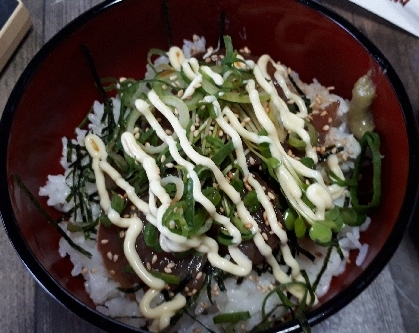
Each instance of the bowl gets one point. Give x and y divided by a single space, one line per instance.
56 89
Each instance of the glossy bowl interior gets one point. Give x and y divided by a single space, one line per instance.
57 89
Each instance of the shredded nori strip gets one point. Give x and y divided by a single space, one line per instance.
49 218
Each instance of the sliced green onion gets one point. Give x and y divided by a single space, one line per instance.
168 278
181 107
151 237
231 318
223 153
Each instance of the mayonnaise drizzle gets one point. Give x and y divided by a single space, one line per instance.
289 173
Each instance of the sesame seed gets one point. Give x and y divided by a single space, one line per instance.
109 255
195 133
329 120
167 270
168 132
207 60
326 127
198 276
195 38
122 234
84 270
220 133
180 93
164 86
148 266
176 111
173 77
252 160
163 158
94 270
186 289
115 257
192 128
154 259
169 165
265 216
323 113
265 236
112 272
104 241
204 305
248 187
170 265
248 225
271 195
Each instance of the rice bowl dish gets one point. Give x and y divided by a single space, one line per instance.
293 32
233 110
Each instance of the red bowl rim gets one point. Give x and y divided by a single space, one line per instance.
408 213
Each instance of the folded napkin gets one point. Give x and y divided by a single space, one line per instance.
403 13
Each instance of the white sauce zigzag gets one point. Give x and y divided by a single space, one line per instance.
288 173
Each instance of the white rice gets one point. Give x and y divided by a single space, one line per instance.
247 296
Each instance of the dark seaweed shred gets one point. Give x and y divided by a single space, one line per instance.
49 218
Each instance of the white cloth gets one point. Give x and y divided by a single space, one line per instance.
403 13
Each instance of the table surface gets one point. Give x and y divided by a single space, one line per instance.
389 304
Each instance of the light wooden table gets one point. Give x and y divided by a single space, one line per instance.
389 304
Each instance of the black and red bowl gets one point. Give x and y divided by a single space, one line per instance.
56 90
